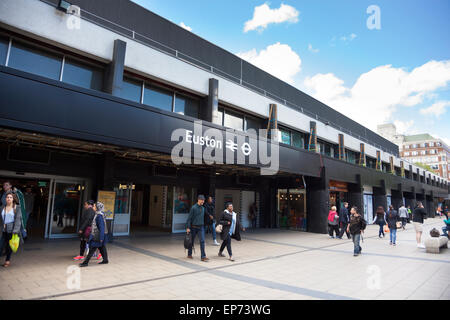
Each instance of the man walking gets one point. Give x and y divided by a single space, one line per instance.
210 217
87 216
195 224
356 228
403 213
418 216
343 220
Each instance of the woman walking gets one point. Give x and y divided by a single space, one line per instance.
230 229
333 222
380 219
392 218
11 221
97 238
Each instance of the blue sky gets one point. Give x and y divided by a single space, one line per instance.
400 72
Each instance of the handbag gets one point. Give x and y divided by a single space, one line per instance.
187 240
386 229
399 224
14 243
219 228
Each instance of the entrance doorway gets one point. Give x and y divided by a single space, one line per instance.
292 209
53 203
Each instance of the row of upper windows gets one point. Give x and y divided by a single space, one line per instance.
422 152
423 145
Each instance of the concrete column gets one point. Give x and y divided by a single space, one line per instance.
379 196
356 195
113 80
318 202
312 145
212 106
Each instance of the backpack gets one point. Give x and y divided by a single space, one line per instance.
363 223
331 216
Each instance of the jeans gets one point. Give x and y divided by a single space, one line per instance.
214 231
381 232
356 247
201 231
393 235
344 229
404 222
226 242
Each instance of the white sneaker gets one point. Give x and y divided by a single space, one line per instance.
216 243
421 246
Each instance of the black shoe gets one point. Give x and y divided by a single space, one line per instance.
221 254
83 265
104 262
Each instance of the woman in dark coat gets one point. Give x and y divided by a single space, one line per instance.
392 218
97 238
230 229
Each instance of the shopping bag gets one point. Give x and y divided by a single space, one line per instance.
14 243
219 228
187 240
386 228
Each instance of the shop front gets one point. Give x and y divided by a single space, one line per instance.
291 208
338 193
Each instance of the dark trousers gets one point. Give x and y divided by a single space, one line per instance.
201 231
344 229
82 246
92 250
381 232
403 222
333 228
5 245
226 242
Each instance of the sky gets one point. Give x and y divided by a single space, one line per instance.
378 61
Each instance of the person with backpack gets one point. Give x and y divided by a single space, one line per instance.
333 222
87 216
392 218
230 230
98 236
343 220
356 228
195 224
403 214
10 223
419 215
380 219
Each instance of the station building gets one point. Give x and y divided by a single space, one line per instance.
93 94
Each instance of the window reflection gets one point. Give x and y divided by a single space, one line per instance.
3 50
158 98
82 75
234 121
33 60
131 90
187 106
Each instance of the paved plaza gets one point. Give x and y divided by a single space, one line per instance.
270 264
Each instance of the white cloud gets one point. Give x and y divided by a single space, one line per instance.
405 127
436 109
348 38
185 26
277 59
263 16
378 93
311 49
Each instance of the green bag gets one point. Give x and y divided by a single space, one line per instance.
14 243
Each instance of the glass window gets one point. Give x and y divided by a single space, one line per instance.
36 61
158 98
220 117
285 136
234 121
82 75
187 106
298 140
4 42
351 156
252 123
131 90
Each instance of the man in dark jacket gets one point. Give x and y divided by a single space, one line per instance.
87 217
343 220
195 224
356 227
418 216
